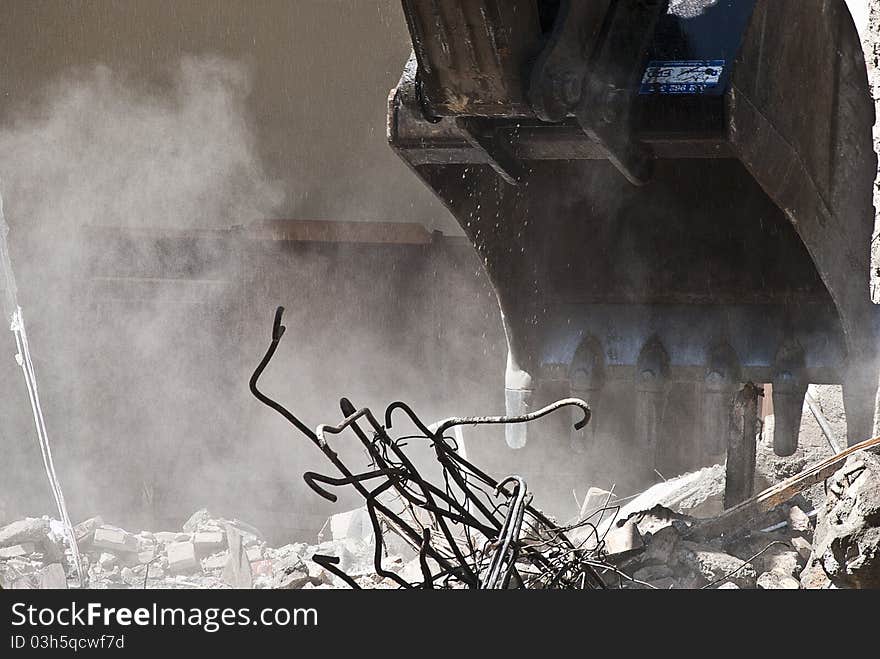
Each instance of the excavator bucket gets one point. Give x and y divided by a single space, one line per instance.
672 200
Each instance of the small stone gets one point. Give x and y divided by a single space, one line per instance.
777 581
24 549
783 561
115 540
803 547
798 521
182 557
728 585
127 575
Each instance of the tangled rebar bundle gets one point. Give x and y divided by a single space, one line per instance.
471 531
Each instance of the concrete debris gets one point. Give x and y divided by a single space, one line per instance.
354 524
777 581
646 544
798 520
803 547
595 500
107 561
85 531
697 494
196 519
208 542
114 540
15 551
182 557
847 537
623 539
25 530
237 571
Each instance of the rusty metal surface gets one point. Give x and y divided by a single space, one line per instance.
473 53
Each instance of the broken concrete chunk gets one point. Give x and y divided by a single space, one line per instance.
216 562
847 537
237 571
199 517
595 500
728 585
352 524
114 540
777 581
697 494
208 542
813 577
662 546
84 531
624 538
25 530
107 561
782 561
291 573
254 554
167 537
715 565
798 521
24 549
659 517
803 547
182 557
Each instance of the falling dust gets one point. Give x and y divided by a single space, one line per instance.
147 392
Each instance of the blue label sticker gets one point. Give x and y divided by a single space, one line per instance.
683 77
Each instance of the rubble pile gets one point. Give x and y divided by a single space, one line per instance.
816 525
668 537
207 552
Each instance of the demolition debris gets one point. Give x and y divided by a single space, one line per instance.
465 529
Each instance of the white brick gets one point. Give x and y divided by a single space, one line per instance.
115 540
182 557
